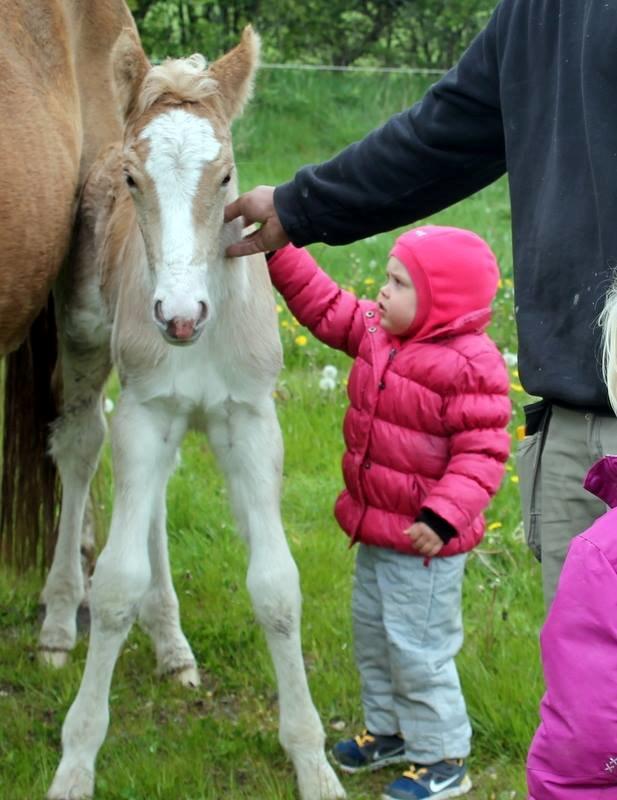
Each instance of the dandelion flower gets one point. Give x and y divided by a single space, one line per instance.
495 526
327 383
369 281
301 341
330 371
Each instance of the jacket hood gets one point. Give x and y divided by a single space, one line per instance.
455 275
601 480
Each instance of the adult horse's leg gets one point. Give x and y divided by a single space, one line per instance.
159 613
144 445
248 444
75 444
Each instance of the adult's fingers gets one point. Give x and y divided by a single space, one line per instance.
253 243
270 236
235 210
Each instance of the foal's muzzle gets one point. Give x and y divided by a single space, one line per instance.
180 330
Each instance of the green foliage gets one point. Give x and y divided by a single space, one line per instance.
168 743
410 33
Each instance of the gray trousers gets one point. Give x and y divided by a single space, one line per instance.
407 625
552 465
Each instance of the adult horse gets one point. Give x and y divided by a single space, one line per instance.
56 110
150 271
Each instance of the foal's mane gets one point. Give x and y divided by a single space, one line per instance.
180 80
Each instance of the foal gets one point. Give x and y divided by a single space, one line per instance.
150 272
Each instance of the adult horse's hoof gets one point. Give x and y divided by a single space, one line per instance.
53 658
73 783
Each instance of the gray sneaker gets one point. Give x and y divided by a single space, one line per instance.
367 752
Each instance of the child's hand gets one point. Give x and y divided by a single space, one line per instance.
424 539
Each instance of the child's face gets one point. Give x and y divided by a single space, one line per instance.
397 299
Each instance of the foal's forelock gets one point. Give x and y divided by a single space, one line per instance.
182 148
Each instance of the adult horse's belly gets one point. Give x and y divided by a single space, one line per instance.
40 146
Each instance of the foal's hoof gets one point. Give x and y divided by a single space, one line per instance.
320 783
74 783
53 658
187 676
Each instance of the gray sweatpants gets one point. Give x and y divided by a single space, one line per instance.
408 627
552 465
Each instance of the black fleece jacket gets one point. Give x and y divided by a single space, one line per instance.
535 96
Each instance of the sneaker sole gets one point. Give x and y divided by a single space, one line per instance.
373 767
455 791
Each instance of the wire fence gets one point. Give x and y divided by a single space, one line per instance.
335 68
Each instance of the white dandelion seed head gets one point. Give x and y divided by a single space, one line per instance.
330 371
327 384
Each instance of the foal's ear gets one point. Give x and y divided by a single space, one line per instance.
235 72
130 67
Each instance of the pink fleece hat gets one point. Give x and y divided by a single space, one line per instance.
455 275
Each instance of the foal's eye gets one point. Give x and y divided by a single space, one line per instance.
226 179
130 182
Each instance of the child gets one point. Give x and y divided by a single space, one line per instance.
426 445
573 755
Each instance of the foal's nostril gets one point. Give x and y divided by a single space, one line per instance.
158 312
203 314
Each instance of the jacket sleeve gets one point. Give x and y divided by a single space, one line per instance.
444 148
331 314
572 755
476 417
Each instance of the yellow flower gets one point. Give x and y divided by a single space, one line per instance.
494 526
284 323
279 308
516 387
500 284
301 341
514 479
369 281
509 283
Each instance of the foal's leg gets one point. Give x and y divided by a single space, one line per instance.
159 612
247 441
144 445
75 444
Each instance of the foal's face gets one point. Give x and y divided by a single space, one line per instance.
178 167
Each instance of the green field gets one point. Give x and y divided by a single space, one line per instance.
220 741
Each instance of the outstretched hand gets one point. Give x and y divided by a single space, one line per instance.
424 539
257 206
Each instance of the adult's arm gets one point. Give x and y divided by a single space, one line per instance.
446 147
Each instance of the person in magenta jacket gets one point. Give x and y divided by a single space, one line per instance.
426 446
573 755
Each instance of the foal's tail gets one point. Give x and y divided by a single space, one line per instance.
28 491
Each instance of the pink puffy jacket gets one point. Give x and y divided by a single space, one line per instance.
426 424
573 755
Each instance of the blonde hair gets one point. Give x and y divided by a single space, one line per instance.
608 322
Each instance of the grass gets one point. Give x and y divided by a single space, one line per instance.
220 741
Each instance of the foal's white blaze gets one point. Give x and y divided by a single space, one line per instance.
181 144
